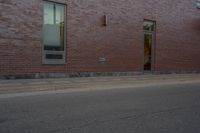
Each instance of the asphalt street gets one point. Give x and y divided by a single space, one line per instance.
151 109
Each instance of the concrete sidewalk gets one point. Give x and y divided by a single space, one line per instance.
92 83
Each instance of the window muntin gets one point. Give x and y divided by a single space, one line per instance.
54 33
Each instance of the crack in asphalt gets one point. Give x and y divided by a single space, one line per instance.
97 122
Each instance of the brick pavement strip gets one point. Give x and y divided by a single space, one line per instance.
35 85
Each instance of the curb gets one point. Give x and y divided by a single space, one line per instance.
34 85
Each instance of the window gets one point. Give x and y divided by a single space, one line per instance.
149 26
198 4
53 33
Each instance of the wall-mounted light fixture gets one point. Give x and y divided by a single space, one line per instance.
105 21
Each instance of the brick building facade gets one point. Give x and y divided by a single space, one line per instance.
102 36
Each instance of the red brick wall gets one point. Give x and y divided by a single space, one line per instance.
121 42
178 36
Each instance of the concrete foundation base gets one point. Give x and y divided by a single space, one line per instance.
86 74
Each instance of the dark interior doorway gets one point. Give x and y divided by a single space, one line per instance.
148 38
149 32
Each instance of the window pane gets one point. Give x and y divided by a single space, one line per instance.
53 27
148 25
59 14
48 13
54 56
60 10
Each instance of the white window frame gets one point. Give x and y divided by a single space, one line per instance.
46 52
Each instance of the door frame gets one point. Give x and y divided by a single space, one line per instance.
153 33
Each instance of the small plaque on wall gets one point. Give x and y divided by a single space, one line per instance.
102 60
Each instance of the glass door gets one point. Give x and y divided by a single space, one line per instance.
148 40
149 32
